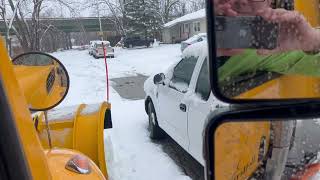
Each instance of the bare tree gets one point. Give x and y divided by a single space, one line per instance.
167 7
26 21
27 31
113 10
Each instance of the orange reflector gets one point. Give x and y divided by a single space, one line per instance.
79 164
310 173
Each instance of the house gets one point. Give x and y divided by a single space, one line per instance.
184 27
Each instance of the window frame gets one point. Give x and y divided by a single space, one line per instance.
173 76
196 26
186 27
196 84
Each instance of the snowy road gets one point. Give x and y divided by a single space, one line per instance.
136 157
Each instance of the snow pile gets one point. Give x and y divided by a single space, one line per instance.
317 121
155 43
62 113
134 155
90 109
195 15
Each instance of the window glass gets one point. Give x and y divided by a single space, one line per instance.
203 88
196 26
186 27
182 74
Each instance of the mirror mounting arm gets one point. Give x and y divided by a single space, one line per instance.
48 128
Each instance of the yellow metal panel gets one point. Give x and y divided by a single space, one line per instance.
85 135
237 149
58 158
310 9
88 135
60 137
83 132
101 153
28 137
33 80
284 87
61 132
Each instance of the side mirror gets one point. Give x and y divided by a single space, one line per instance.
263 143
43 79
159 78
240 75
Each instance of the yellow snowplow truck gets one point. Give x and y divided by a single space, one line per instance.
242 148
39 142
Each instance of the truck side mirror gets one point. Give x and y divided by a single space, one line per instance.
159 78
262 143
42 78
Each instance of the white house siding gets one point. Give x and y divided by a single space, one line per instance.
203 27
173 35
166 35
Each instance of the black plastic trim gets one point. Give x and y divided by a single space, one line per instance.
107 119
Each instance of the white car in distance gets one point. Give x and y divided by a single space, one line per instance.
97 51
179 100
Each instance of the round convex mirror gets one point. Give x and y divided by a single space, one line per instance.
42 78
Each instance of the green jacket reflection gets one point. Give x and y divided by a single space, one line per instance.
295 62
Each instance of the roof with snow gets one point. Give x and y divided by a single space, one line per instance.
188 17
197 49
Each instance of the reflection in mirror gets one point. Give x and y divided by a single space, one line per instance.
260 56
275 149
42 78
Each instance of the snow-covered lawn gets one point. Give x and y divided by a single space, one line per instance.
135 156
87 74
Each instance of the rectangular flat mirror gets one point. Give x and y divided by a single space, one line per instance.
264 49
267 149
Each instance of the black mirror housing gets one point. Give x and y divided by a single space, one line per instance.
159 78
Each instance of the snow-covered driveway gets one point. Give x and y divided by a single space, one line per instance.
136 157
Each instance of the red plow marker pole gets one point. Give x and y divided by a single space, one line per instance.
107 74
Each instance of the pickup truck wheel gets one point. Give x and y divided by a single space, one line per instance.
155 131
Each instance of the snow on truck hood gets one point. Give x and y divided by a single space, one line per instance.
196 49
195 38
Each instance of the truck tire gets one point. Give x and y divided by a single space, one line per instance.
156 132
